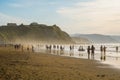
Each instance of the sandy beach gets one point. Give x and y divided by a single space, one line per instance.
18 65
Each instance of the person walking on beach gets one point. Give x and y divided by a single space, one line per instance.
88 51
92 51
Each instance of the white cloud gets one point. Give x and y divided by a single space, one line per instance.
98 16
4 19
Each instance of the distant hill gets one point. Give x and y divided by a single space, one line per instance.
80 40
33 33
98 38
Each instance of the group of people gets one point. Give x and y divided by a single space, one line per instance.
17 46
103 49
103 52
20 47
71 47
81 48
58 47
91 50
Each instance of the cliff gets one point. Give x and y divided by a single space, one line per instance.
33 33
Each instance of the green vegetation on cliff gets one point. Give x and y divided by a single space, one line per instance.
33 33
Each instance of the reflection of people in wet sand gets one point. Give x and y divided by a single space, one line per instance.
54 48
92 51
71 53
88 51
57 52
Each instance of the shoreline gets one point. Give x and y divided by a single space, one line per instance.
109 61
109 65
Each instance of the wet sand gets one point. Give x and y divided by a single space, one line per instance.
18 65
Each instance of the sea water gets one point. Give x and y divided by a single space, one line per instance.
112 57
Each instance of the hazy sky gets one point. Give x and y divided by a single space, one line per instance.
73 16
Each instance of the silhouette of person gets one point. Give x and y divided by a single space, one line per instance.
61 48
92 51
104 52
101 48
58 47
88 51
54 46
70 47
